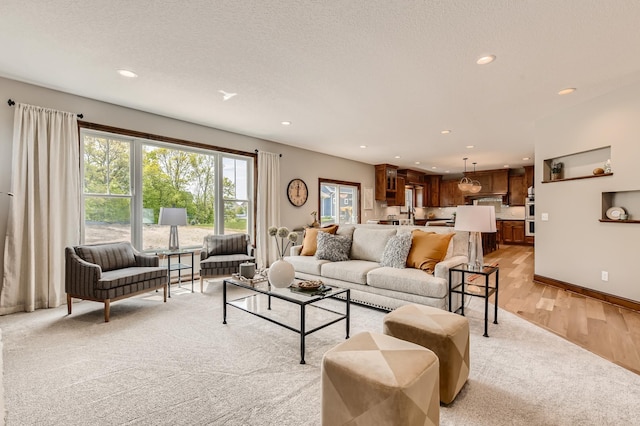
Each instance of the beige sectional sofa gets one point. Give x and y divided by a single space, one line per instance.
379 286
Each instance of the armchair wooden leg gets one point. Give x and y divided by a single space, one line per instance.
164 287
69 303
201 285
107 308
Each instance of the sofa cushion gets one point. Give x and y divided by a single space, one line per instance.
369 243
108 256
354 271
226 244
306 264
427 249
126 276
408 280
310 241
333 247
396 251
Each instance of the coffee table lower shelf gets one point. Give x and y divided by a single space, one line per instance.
249 303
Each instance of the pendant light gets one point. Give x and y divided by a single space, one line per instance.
465 183
476 186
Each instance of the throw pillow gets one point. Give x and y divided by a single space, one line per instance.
396 251
310 241
427 249
333 247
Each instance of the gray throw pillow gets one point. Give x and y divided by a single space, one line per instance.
331 247
396 251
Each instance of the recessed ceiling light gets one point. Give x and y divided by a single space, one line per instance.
417 162
127 73
567 91
486 60
470 146
445 132
434 167
397 156
526 158
363 146
506 166
286 123
446 171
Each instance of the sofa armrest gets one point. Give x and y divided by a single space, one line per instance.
295 250
442 268
81 276
146 259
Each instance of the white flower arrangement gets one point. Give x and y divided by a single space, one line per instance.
283 234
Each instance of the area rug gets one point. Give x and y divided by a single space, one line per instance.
177 364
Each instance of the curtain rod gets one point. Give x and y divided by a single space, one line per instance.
11 103
256 151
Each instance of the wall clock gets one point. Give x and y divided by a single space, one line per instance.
297 192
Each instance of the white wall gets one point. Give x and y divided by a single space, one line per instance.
296 163
573 246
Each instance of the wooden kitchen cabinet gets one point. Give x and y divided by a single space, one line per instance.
398 200
528 176
517 190
432 183
513 232
386 182
450 194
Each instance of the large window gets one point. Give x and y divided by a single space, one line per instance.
128 180
339 202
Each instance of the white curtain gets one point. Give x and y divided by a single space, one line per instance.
268 207
44 213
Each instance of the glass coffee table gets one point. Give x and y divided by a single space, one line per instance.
314 314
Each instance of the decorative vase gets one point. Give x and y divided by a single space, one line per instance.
281 274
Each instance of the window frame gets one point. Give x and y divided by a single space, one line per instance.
137 141
339 183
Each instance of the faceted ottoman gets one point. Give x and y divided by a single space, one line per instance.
445 333
374 379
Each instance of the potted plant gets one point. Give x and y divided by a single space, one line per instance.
556 171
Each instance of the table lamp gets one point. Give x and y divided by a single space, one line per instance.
174 217
475 219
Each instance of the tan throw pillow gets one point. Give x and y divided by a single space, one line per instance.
310 241
427 249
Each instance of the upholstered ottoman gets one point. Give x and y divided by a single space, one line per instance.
445 333
374 379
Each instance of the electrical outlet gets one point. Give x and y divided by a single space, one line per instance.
544 217
604 275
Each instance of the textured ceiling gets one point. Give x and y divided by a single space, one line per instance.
387 74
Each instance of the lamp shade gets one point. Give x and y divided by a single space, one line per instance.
475 219
172 216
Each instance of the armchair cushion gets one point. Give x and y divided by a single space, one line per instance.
226 244
108 256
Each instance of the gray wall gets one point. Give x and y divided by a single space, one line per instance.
573 246
296 163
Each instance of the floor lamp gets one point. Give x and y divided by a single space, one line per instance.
475 220
174 217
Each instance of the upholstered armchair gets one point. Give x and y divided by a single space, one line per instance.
223 254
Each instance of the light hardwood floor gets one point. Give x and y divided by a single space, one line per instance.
602 328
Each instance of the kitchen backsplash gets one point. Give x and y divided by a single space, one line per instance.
502 212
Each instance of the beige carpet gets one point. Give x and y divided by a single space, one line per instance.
177 364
